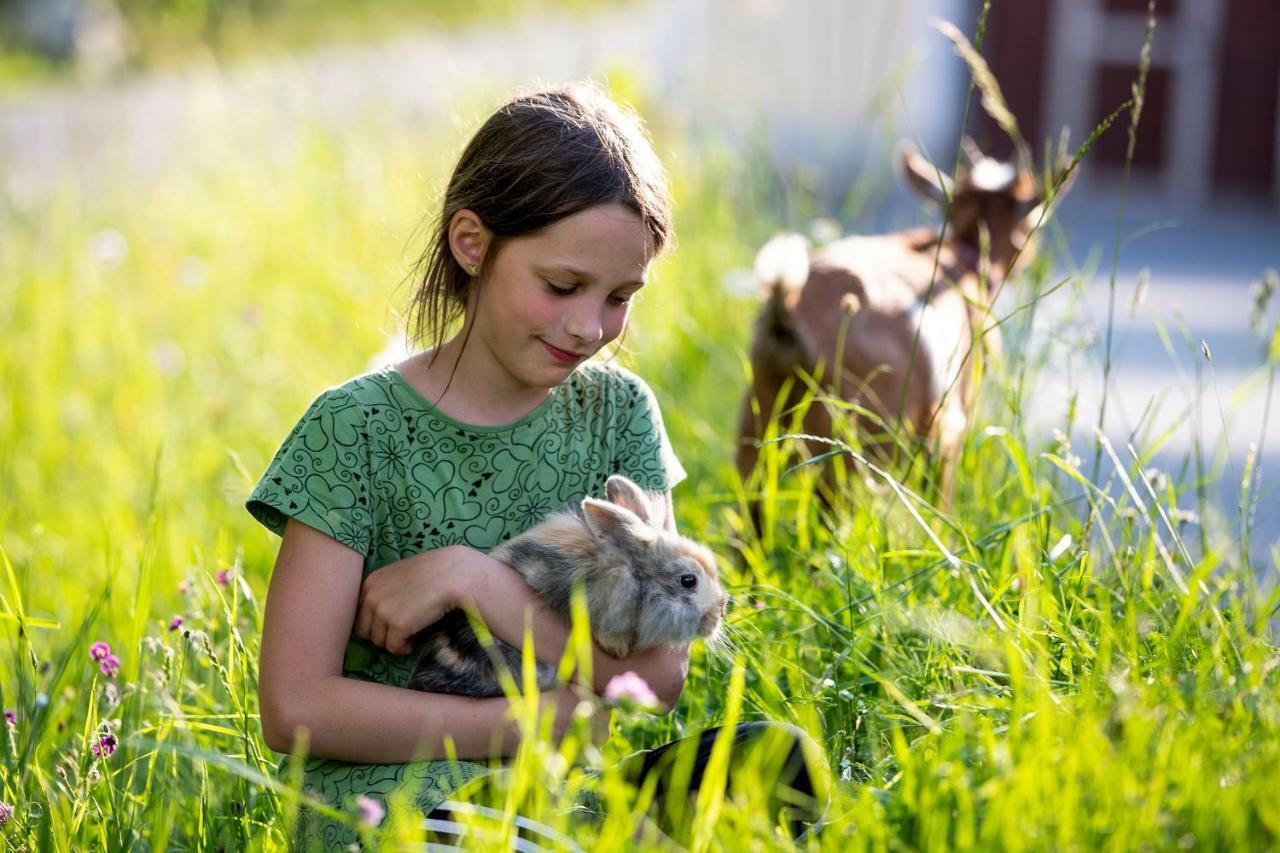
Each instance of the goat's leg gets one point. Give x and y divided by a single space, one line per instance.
750 431
951 426
751 427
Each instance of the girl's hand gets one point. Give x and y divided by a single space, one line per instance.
568 699
401 598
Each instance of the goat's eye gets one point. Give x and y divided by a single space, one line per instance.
688 581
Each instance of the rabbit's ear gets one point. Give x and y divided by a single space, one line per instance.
625 493
614 523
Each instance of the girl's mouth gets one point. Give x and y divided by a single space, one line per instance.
562 356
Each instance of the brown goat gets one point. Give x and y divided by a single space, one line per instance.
891 318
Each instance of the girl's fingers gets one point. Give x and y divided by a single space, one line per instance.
378 635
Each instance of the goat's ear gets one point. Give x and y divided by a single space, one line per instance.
1062 178
921 175
970 149
1064 175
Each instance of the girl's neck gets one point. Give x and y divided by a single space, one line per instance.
464 389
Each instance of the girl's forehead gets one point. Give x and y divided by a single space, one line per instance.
605 241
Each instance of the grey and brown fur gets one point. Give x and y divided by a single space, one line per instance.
645 586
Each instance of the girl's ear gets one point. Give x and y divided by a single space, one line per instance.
609 522
469 240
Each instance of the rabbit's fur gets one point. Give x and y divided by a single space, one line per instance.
644 585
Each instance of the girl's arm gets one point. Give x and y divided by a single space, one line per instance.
309 611
404 597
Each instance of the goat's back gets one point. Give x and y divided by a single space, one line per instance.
867 296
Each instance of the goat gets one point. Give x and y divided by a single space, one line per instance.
888 322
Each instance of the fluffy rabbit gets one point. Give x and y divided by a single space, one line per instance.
644 587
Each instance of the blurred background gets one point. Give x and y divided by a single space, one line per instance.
144 107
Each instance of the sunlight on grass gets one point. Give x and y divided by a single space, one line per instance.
1057 660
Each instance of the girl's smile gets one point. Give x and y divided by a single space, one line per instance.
562 355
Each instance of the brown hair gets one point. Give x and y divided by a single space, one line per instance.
536 160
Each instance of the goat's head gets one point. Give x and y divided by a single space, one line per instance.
986 194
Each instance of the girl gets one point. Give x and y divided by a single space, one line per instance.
391 488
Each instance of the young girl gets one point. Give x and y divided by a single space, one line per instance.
391 488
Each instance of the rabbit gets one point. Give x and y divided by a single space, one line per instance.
645 586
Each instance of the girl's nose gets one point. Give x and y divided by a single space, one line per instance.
584 325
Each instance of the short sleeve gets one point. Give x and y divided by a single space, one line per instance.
643 452
320 475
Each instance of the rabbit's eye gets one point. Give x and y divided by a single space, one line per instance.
688 581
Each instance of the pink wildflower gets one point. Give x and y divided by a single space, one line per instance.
223 577
104 745
10 717
371 811
630 688
175 623
99 651
6 813
109 665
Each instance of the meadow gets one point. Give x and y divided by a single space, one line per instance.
1059 660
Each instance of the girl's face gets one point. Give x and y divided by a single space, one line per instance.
550 300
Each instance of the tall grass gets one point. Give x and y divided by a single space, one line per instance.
1048 663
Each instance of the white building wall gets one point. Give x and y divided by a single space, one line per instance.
827 82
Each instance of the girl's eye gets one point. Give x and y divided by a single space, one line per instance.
559 289
621 299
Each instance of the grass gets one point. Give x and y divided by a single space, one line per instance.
1052 663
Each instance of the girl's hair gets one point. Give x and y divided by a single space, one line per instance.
538 159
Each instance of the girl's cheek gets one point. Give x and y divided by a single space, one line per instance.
616 321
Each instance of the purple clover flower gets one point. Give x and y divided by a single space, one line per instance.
6 813
371 811
99 651
223 577
175 623
630 689
105 746
10 717
109 665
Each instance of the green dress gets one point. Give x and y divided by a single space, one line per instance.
376 466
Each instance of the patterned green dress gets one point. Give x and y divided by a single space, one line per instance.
374 465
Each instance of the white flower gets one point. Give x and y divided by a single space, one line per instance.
168 357
110 247
193 271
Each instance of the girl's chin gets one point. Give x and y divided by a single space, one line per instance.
548 376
